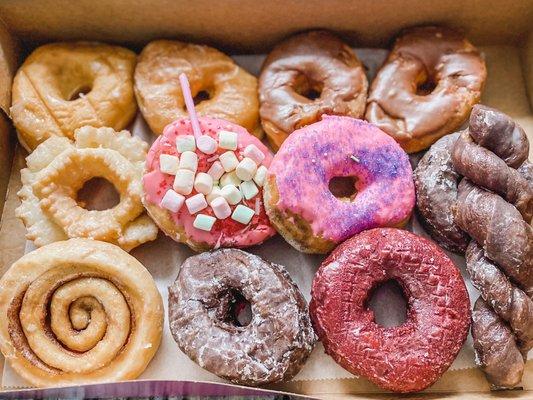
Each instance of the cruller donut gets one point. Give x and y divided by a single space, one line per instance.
231 91
272 347
426 87
305 66
404 358
297 192
63 86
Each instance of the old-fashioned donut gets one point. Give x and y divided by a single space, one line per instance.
275 343
298 193
229 92
306 76
404 358
426 87
63 86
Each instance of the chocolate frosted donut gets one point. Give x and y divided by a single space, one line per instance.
427 86
306 76
272 347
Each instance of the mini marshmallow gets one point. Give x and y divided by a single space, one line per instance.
204 222
169 164
215 192
246 169
216 170
203 183
260 175
206 144
251 151
231 194
229 161
230 179
184 181
189 160
249 190
196 203
227 140
221 208
185 143
172 201
242 214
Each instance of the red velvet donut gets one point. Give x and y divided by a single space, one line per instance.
405 358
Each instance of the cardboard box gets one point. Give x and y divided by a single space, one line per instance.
503 30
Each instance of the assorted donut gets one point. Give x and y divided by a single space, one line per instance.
338 180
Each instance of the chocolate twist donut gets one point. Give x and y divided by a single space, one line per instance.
494 206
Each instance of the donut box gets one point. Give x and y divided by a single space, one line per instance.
247 32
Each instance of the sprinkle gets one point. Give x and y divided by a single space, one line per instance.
172 201
184 181
246 169
211 159
216 170
229 161
189 103
196 203
251 151
227 140
215 192
354 158
206 144
169 164
219 241
231 194
185 143
230 178
249 190
242 214
260 175
203 183
257 206
204 222
221 208
189 160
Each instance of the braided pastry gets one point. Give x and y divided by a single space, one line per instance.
494 206
79 311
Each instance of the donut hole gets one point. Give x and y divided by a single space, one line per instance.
202 95
235 309
307 87
387 301
343 187
98 194
426 87
79 92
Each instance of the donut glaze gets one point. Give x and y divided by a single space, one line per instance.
297 196
404 358
179 225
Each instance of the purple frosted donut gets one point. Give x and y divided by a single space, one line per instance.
335 178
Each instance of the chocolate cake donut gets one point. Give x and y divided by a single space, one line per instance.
275 343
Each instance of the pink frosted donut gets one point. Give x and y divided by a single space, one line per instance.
188 212
375 171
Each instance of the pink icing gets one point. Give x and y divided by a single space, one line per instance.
311 156
227 232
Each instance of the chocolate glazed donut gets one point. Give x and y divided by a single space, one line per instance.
272 347
426 87
494 206
306 76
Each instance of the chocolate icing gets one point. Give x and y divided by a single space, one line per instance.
272 347
317 61
422 56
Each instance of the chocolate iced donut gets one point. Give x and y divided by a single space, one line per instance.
436 184
272 347
427 86
306 76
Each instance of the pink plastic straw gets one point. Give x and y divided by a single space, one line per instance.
189 103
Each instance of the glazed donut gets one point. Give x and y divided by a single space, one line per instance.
298 196
59 168
272 347
231 90
405 358
79 311
399 102
63 86
313 63
182 181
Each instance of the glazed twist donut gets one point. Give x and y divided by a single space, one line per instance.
494 206
79 311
